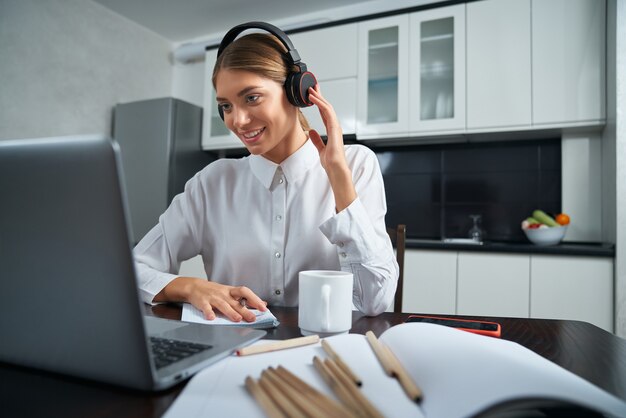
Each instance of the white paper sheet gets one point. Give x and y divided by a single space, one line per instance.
459 373
263 319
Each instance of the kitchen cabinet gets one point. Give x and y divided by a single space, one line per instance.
215 135
517 285
483 66
331 54
493 284
411 74
437 70
572 288
383 78
430 282
498 64
568 63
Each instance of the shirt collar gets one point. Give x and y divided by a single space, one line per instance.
293 167
298 163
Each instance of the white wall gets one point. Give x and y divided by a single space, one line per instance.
581 183
188 83
64 64
620 139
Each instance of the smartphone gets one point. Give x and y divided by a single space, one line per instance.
491 329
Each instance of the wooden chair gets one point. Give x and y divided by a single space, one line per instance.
398 239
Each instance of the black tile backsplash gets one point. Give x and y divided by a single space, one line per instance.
434 189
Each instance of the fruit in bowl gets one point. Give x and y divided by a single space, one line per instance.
542 229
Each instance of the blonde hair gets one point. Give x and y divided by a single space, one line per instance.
261 54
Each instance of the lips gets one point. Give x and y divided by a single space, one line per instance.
250 137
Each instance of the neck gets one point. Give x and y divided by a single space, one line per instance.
287 146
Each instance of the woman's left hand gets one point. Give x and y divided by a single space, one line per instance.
332 154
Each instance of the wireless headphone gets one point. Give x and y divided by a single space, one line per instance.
297 83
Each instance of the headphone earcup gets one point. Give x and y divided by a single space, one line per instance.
297 88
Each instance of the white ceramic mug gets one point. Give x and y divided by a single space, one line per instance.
325 302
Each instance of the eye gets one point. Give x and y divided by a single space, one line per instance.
253 98
224 106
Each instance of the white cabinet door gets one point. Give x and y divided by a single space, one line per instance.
568 61
383 79
493 284
498 64
329 53
429 282
578 288
215 135
341 94
437 69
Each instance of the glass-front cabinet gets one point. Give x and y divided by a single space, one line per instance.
215 135
437 68
383 78
412 74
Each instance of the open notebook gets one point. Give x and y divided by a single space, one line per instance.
460 374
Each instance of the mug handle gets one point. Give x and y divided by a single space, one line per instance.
326 307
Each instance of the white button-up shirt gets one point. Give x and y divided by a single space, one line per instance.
258 224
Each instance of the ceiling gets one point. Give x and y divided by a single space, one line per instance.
183 20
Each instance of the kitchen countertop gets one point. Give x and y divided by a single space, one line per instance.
564 248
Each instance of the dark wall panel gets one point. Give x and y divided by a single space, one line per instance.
434 189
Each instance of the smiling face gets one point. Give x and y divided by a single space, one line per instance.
256 109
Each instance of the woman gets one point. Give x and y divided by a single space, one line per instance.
294 204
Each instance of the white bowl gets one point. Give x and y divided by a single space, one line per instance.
546 236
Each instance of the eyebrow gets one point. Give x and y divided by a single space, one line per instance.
241 93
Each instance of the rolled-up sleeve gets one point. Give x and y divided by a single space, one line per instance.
174 239
360 236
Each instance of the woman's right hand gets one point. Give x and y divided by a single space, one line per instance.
210 296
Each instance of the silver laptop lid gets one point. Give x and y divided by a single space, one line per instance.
70 298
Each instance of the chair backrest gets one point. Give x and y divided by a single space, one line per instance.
398 239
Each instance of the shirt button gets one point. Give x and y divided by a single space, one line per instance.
277 292
277 254
340 245
344 255
281 181
278 217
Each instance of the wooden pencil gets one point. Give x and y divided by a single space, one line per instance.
380 352
339 390
393 367
289 408
331 407
302 402
407 383
278 345
367 408
263 399
342 364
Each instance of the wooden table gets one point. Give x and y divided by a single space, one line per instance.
584 349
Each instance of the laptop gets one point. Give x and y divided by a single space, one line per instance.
70 302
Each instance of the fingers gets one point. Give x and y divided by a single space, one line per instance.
252 301
207 310
317 140
231 310
227 300
327 112
329 118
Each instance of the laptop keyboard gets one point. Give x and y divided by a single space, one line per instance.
168 351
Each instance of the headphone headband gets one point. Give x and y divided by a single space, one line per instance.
230 36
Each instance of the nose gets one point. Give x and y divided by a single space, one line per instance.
240 117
